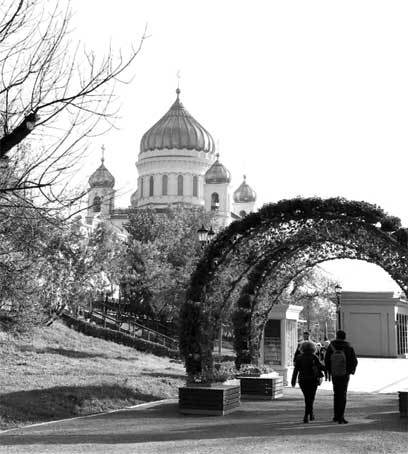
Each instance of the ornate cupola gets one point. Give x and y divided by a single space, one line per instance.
217 196
101 195
101 178
177 129
244 199
175 153
217 173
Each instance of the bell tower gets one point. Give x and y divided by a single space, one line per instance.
217 197
101 195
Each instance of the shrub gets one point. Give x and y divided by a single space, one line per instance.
254 371
221 372
390 224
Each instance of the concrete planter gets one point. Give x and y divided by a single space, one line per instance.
262 387
216 399
403 403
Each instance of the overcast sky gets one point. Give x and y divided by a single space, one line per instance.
305 97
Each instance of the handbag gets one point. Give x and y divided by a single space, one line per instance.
317 374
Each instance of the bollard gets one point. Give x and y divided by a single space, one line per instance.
403 403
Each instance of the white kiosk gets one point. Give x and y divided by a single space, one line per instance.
280 339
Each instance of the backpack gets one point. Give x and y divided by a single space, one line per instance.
338 363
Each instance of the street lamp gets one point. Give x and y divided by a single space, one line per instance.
338 291
204 235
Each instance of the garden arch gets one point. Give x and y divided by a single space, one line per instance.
250 263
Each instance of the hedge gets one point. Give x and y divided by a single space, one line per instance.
118 337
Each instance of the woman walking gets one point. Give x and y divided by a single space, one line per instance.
310 371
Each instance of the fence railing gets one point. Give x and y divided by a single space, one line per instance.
130 326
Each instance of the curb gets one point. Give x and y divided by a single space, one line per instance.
143 405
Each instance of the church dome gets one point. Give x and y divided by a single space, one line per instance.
217 173
177 129
244 193
101 178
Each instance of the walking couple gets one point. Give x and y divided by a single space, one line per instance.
340 361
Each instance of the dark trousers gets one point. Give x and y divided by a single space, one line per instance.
340 385
308 388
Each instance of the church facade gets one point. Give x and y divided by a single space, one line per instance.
178 165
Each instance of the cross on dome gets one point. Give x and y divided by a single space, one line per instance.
103 153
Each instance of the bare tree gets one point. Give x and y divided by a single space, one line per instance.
53 92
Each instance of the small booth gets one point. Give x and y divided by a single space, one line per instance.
280 339
376 323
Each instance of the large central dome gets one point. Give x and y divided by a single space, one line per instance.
177 129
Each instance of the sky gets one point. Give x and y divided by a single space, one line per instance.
305 98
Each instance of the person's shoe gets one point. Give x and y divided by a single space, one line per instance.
335 419
343 421
312 418
305 419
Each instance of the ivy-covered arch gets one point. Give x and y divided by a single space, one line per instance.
252 261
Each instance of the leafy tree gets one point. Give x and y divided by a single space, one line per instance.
163 249
33 266
53 91
315 291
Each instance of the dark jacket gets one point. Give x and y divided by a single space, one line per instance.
351 360
298 350
304 367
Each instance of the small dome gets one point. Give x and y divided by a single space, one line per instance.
217 173
244 193
179 130
101 178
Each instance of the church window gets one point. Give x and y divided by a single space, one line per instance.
151 186
180 184
164 184
141 188
195 186
97 204
215 201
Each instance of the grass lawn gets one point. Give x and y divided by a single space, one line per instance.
59 373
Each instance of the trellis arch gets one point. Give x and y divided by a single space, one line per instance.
252 261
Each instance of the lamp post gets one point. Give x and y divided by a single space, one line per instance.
338 291
204 235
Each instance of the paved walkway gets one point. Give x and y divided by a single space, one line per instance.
256 427
378 375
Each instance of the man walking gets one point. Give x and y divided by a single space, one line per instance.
340 362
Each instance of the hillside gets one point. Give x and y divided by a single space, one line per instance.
59 373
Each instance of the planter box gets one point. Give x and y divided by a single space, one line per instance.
216 399
264 387
403 403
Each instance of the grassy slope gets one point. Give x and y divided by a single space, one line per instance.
59 373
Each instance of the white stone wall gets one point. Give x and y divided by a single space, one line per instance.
223 214
369 320
187 163
107 196
248 207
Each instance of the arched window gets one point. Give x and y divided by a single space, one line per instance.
215 201
141 187
195 186
242 213
165 180
180 184
97 204
151 186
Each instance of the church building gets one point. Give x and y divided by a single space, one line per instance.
178 165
